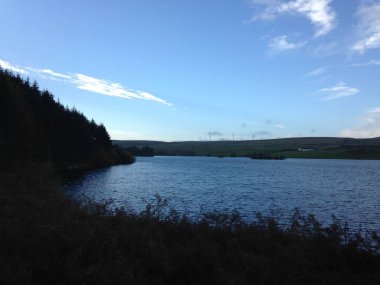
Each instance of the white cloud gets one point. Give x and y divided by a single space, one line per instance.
49 72
88 83
368 125
268 13
368 63
319 12
281 43
101 86
316 72
109 88
340 90
369 28
6 65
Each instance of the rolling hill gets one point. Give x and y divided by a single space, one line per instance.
303 147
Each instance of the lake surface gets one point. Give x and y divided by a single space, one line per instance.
349 189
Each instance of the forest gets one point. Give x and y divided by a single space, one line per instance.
35 127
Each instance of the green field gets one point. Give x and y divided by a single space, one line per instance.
323 147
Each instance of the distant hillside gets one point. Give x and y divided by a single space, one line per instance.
35 128
307 147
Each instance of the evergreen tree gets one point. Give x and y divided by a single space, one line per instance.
35 127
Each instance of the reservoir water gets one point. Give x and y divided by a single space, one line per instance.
348 189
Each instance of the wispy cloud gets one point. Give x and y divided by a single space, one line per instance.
48 72
316 72
281 44
318 12
368 125
368 63
369 28
338 91
110 88
88 83
326 49
15 68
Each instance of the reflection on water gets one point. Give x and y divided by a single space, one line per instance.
349 189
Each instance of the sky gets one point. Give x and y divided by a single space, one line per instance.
177 70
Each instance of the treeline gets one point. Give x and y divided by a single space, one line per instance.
143 151
266 155
35 127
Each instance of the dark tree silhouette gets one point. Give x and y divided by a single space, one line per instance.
144 151
35 127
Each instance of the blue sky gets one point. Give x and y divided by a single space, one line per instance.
188 70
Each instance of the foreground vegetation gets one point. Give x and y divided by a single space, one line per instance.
48 238
320 147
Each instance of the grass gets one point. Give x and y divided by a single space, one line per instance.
47 238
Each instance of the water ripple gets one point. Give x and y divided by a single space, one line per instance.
349 189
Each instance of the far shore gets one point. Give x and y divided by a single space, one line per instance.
308 147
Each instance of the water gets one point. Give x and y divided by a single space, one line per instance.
349 189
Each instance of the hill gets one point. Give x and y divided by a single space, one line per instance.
306 147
